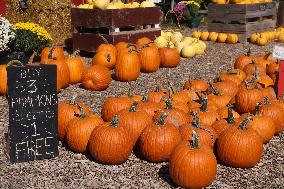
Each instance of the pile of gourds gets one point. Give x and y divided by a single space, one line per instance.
239 112
188 47
115 4
216 37
263 38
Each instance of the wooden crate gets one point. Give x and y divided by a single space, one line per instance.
242 19
114 25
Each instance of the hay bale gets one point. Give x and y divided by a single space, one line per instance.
53 15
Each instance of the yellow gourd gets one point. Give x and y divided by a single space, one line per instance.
213 36
204 36
232 38
254 37
222 37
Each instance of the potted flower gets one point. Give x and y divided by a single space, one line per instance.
7 37
29 38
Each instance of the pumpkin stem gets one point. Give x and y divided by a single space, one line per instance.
108 57
232 71
258 108
249 52
215 91
114 121
51 50
245 122
266 100
168 103
195 122
231 119
161 120
15 63
204 104
133 107
253 81
194 143
144 98
246 84
82 112
267 55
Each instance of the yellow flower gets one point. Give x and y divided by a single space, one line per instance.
192 2
34 28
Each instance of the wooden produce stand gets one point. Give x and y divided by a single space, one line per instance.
115 25
242 19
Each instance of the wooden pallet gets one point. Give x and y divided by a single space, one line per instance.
242 19
114 25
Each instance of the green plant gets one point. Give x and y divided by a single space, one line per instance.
30 37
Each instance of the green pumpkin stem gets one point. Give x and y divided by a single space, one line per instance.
161 120
215 91
168 103
133 107
204 104
50 52
258 108
114 121
266 100
82 112
232 71
245 122
195 122
144 98
194 143
231 119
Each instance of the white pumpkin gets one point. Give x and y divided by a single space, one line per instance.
179 46
101 4
177 37
188 40
161 42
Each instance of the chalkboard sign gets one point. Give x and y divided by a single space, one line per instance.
33 102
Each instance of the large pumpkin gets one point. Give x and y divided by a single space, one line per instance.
96 78
79 130
3 80
158 140
240 146
150 59
127 67
235 75
110 144
192 165
243 60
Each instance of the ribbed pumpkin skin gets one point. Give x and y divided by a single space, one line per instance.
207 118
227 87
206 136
107 47
192 168
242 61
134 122
105 58
79 131
199 85
246 100
157 142
150 59
156 96
170 57
143 41
220 126
3 80
110 145
220 101
264 126
57 54
175 116
96 78
240 148
66 112
223 113
150 107
237 78
127 67
76 69
276 113
112 106
269 92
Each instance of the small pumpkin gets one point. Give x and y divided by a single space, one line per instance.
170 57
149 59
235 75
150 107
96 78
243 60
157 95
196 84
144 41
251 67
105 58
76 68
222 37
213 36
127 67
134 121
79 130
204 36
158 140
272 70
110 144
49 53
220 100
106 46
232 38
192 165
240 146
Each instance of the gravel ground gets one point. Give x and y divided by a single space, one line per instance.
72 170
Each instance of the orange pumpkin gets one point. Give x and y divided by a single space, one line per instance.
170 57
144 41
105 58
96 78
51 53
76 68
3 80
150 59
